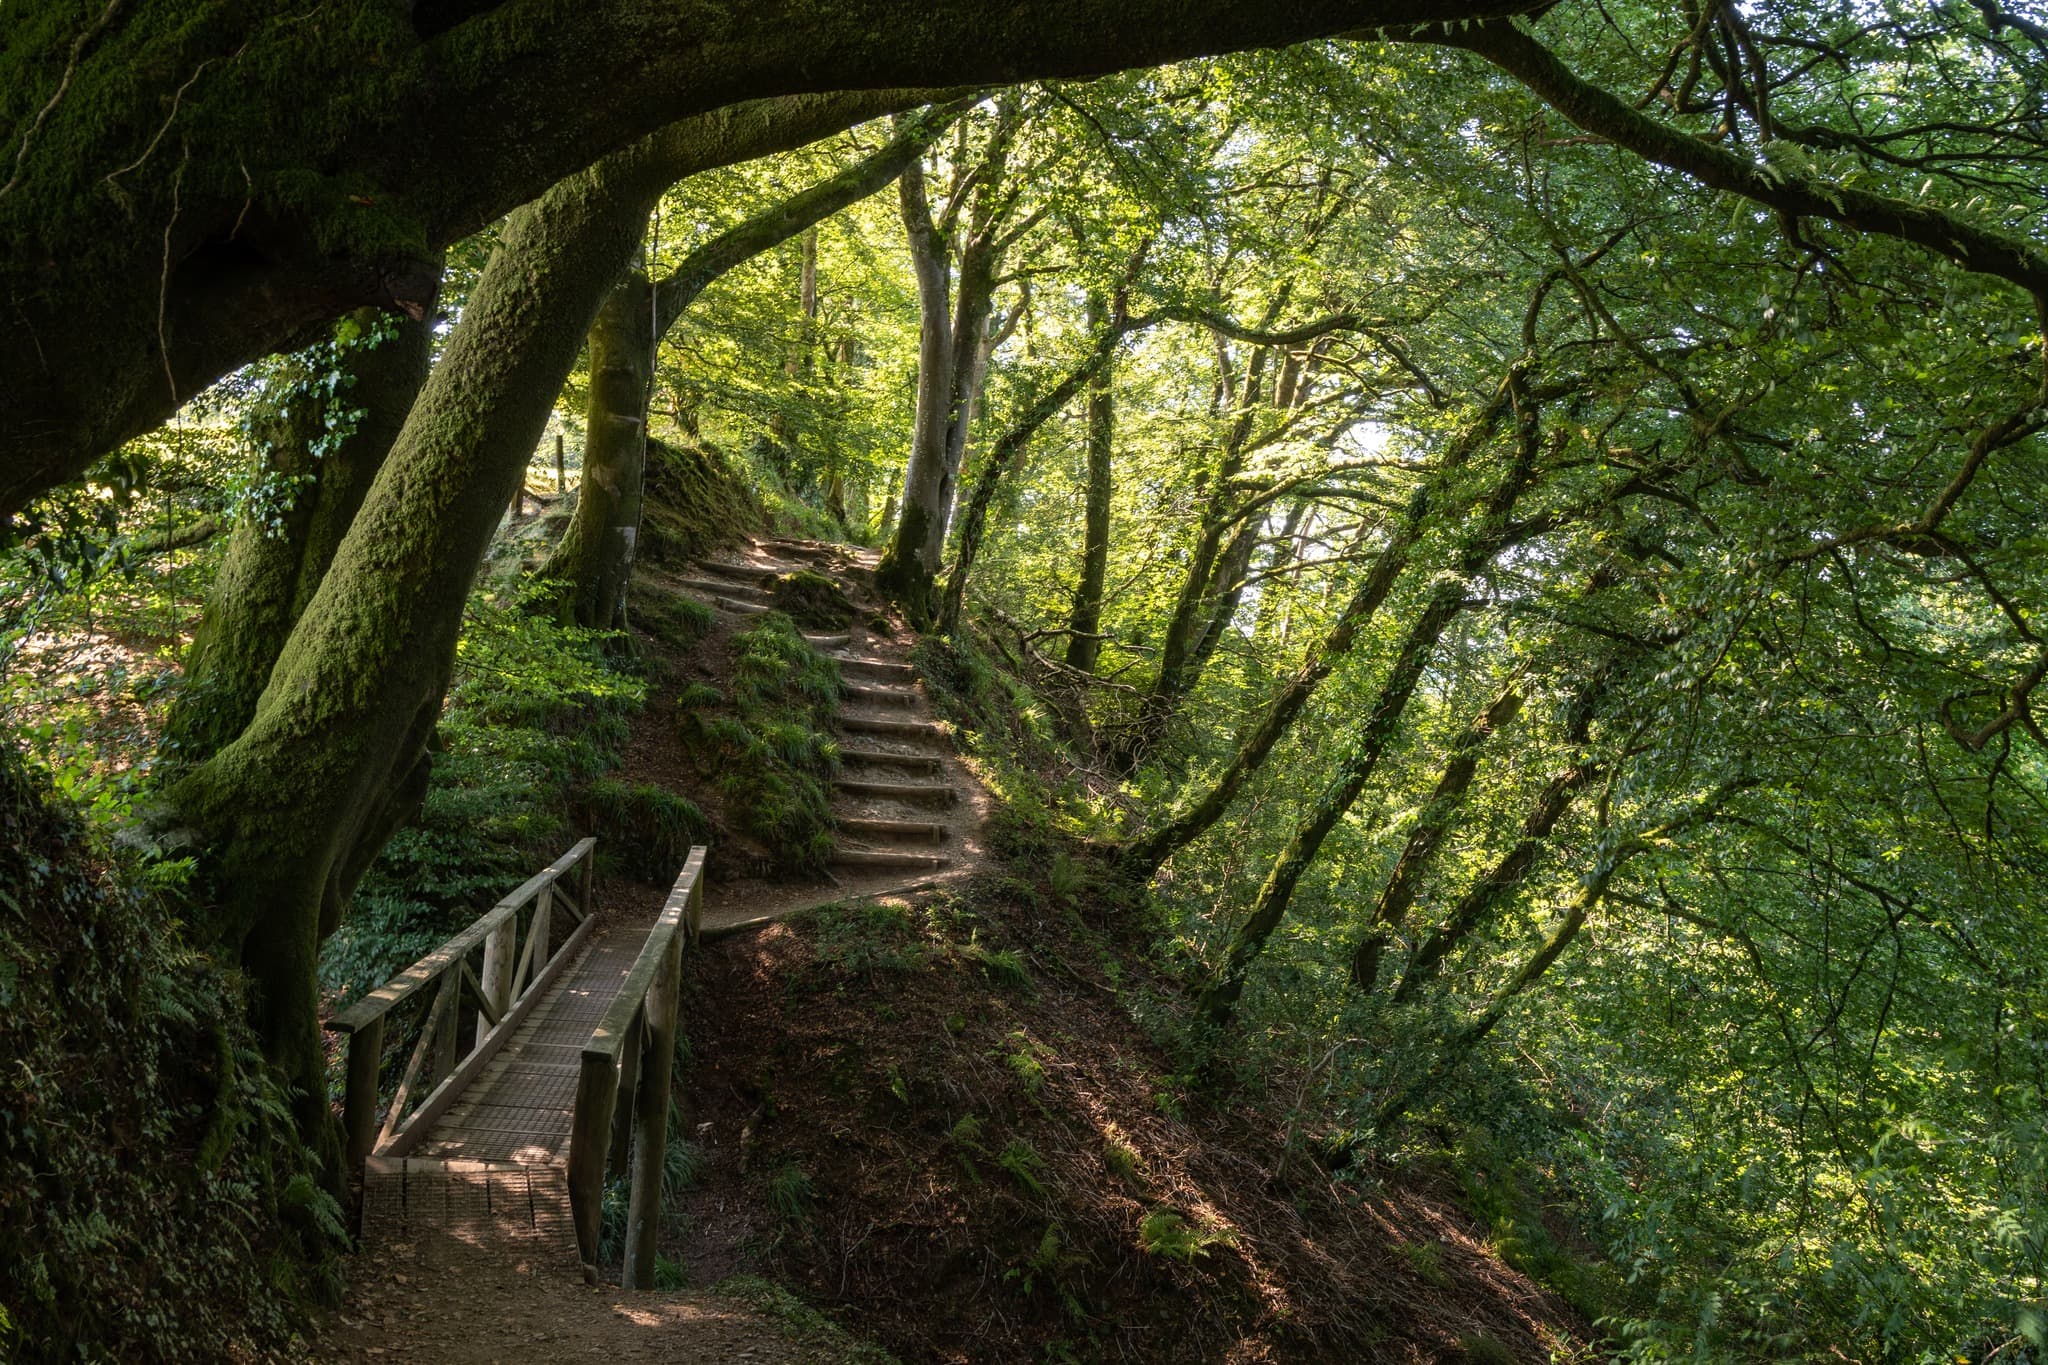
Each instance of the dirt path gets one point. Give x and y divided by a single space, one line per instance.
442 1301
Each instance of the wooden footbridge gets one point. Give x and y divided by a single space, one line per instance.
542 1045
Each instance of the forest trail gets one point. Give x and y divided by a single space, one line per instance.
910 814
469 1246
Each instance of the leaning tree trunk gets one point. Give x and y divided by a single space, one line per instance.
1144 855
1358 765
291 811
322 437
974 521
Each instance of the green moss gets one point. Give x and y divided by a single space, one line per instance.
771 750
695 502
812 599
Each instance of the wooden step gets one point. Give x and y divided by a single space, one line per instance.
878 668
917 763
807 549
757 573
881 696
897 729
829 642
925 793
885 857
716 588
739 608
921 831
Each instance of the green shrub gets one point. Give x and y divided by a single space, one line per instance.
155 1203
644 829
534 709
772 752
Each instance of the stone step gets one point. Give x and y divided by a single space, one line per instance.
881 696
717 588
878 668
895 729
881 758
919 831
881 857
924 793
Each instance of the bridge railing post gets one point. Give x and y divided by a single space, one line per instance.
597 1090
650 1118
359 1099
495 981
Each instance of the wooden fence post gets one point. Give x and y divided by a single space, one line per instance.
650 1119
359 1100
543 919
496 980
629 1086
597 1090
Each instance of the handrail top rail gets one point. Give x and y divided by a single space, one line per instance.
609 1037
423 972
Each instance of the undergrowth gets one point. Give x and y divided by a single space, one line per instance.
155 1203
769 744
535 708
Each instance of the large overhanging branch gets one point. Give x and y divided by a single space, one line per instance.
277 170
1783 188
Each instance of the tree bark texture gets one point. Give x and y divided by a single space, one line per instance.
273 565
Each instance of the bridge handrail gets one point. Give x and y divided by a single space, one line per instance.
380 1002
504 991
622 1088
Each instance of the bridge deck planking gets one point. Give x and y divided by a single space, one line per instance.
519 1108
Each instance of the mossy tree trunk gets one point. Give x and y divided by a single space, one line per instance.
594 561
290 813
322 433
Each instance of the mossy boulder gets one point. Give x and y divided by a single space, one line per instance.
695 502
811 599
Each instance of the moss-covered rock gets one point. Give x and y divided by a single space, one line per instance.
811 599
695 502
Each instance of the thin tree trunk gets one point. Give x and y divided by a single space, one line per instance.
1084 618
910 565
975 520
1145 854
1424 840
1505 877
